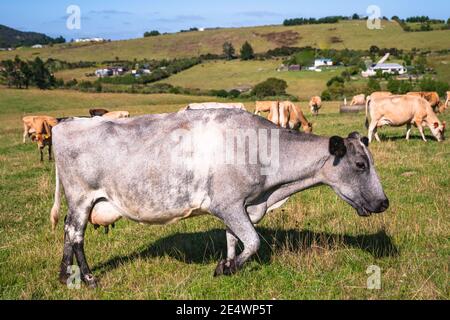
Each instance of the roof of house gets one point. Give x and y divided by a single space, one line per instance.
388 66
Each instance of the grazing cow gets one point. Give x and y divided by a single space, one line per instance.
315 104
98 112
279 114
446 101
431 97
116 115
296 117
264 106
146 180
379 94
39 128
214 105
402 110
358 100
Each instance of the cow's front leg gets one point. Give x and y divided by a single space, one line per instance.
42 154
419 126
50 153
242 228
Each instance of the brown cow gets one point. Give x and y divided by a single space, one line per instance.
379 94
40 130
116 115
446 102
315 104
296 117
98 112
431 97
358 100
402 110
264 106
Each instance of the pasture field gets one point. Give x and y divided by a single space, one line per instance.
231 74
315 247
345 34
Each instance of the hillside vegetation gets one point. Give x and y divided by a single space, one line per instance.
11 38
347 34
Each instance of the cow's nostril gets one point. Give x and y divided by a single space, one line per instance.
384 205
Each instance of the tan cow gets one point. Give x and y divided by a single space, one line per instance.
446 101
431 97
296 117
403 110
39 128
358 100
214 105
379 94
315 104
116 115
264 106
289 116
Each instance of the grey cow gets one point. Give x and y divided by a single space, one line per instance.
127 168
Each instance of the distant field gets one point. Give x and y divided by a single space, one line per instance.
442 66
231 74
315 247
349 34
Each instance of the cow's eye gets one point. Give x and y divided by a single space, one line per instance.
361 165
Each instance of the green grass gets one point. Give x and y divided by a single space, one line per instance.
354 35
315 247
231 74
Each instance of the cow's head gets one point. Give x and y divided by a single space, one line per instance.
438 130
42 138
308 128
351 173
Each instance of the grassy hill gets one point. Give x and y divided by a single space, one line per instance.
231 74
11 38
346 34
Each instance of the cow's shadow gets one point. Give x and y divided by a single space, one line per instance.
209 246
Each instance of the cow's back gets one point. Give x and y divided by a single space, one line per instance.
398 110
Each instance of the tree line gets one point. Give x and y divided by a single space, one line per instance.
21 74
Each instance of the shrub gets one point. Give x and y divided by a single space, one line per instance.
153 33
270 87
372 86
326 95
428 84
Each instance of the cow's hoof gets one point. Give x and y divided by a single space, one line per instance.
90 281
226 268
63 277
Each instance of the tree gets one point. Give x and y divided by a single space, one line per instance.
153 33
355 16
270 88
228 50
41 75
247 52
448 21
372 86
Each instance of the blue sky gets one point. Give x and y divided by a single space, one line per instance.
114 19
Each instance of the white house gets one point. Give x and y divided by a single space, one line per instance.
37 46
390 68
89 40
323 63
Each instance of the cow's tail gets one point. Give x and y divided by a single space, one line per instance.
367 111
54 214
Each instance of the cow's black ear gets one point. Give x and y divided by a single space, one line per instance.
337 147
365 140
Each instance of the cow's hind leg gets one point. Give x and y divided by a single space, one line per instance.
419 126
408 131
239 227
75 228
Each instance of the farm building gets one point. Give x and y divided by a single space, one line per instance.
294 67
37 46
323 63
391 68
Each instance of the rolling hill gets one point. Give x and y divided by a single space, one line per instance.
346 34
11 38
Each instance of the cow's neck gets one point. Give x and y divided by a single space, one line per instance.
301 164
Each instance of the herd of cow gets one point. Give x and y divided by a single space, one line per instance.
106 177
